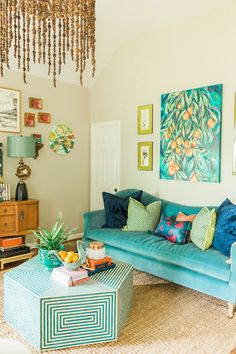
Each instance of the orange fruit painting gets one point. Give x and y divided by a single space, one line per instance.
191 134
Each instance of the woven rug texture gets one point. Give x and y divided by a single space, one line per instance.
165 318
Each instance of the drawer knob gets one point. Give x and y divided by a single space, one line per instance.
5 224
5 210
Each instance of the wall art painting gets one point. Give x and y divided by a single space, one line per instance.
145 119
29 120
44 117
145 156
35 103
190 137
61 139
10 110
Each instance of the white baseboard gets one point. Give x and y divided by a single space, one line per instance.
74 237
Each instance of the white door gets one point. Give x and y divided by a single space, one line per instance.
105 161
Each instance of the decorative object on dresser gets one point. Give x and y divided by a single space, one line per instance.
145 119
44 117
145 156
5 191
21 146
10 109
38 144
17 218
29 119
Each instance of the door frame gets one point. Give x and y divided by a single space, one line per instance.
116 123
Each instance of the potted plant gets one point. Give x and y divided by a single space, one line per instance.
51 241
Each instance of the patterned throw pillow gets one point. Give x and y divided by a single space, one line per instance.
116 209
142 218
225 234
174 231
182 217
203 228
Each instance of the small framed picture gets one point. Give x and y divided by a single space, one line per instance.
145 119
29 120
35 103
44 117
145 156
10 110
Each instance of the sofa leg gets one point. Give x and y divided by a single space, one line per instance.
231 308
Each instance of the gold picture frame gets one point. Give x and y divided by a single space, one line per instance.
35 103
145 156
10 110
145 119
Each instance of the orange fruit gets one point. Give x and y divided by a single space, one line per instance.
173 144
186 116
68 259
190 110
173 168
193 144
186 143
189 152
179 141
196 134
178 151
167 134
194 178
75 258
178 106
211 123
70 254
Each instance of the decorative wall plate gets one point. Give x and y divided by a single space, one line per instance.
61 139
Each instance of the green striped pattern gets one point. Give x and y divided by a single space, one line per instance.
52 316
72 321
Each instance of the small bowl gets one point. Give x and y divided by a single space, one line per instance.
70 266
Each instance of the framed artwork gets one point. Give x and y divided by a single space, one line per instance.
35 103
145 156
10 110
29 120
145 119
44 118
190 138
61 139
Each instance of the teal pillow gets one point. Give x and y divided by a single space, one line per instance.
203 228
142 218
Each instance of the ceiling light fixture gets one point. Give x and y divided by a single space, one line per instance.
45 30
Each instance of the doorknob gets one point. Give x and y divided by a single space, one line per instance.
115 190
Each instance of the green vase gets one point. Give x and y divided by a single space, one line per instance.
48 259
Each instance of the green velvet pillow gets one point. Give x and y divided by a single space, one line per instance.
142 218
203 228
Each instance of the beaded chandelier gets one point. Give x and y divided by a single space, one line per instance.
44 31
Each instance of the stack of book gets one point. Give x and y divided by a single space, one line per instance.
69 277
12 246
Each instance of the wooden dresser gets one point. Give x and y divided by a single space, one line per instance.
18 218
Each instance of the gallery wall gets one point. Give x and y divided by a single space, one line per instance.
61 183
194 53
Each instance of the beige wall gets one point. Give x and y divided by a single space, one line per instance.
192 54
61 183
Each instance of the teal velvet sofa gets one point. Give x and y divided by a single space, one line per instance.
187 265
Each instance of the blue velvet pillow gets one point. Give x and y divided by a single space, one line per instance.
116 209
174 231
225 232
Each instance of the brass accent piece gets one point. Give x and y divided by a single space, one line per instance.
96 245
52 28
23 171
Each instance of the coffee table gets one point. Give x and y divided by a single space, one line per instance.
52 316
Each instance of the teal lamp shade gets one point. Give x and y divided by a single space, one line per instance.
20 146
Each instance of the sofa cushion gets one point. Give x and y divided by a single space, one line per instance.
116 208
225 234
210 262
172 230
203 228
142 218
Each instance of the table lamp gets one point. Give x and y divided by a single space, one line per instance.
21 146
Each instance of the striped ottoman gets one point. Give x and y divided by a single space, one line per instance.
53 316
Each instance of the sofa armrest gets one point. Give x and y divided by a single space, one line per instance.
232 281
93 220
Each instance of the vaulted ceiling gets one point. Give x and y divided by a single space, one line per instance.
121 20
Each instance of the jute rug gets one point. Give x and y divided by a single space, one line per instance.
165 318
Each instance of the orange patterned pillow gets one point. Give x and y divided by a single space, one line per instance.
182 217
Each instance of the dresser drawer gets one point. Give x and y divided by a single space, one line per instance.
7 223
7 210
